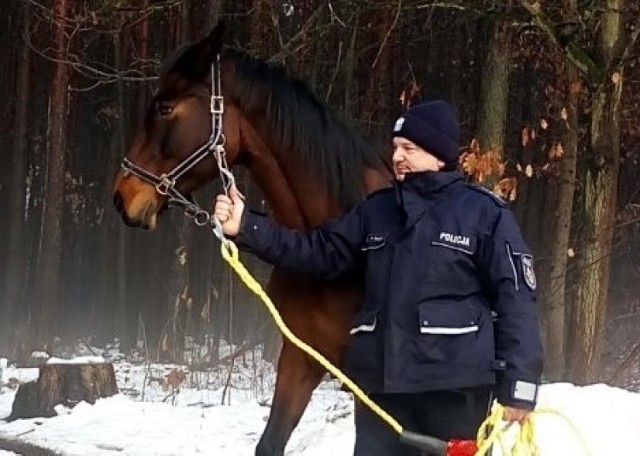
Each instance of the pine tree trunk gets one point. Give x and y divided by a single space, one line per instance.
377 101
348 81
555 300
178 296
494 92
47 275
124 320
555 312
599 206
15 260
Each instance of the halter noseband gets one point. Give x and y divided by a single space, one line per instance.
165 184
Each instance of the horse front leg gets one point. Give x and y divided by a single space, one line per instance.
297 377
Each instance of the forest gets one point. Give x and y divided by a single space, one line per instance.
547 92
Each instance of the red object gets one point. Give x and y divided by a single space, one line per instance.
461 448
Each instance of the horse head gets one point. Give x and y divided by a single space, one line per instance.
162 163
308 164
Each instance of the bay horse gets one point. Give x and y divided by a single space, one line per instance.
308 164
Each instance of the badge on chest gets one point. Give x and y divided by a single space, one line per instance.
456 241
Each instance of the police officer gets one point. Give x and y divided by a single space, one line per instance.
449 313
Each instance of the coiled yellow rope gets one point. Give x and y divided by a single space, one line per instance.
492 429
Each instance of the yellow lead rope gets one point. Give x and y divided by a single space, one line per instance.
491 430
230 254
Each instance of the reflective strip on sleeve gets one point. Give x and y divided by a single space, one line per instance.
513 266
525 391
364 328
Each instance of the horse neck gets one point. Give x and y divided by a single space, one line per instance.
295 195
297 200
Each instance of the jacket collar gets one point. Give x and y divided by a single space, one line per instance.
418 190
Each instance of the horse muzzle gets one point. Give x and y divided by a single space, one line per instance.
141 213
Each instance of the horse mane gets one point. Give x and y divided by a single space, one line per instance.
301 126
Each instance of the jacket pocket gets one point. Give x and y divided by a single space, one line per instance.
448 318
365 322
452 333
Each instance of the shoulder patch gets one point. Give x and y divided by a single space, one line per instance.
485 191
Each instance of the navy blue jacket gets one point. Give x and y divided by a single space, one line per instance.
449 292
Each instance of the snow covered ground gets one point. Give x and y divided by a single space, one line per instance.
205 417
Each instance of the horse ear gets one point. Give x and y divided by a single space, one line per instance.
216 36
210 47
195 61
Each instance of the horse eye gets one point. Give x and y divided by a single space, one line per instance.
163 108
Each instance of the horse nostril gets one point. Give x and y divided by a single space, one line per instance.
117 201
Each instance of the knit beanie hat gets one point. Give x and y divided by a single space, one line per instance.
434 127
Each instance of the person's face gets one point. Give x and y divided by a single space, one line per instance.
410 158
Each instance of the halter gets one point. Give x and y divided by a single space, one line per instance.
165 184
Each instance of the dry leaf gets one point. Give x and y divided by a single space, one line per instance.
556 151
204 314
535 7
570 253
615 77
176 377
519 167
575 87
528 171
564 114
474 146
506 188
544 124
181 253
526 136
165 342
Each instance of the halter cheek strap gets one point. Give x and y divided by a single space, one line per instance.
165 184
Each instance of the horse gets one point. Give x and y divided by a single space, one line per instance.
230 107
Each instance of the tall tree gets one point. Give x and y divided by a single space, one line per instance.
47 274
14 278
599 199
555 298
494 91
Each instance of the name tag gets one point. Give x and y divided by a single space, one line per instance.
456 241
374 242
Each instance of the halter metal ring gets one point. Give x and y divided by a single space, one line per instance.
165 185
201 218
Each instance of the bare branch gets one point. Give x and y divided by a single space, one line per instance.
574 53
90 72
386 38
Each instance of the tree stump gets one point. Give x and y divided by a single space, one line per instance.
65 384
